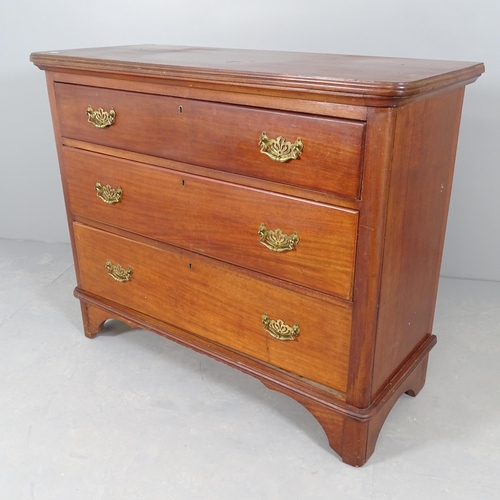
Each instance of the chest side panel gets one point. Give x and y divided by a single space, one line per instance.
420 186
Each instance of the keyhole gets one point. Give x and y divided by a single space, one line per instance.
190 265
180 110
183 182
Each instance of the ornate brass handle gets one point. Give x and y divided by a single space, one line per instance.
279 330
280 149
117 272
101 118
108 194
276 240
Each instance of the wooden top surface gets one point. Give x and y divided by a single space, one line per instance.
380 77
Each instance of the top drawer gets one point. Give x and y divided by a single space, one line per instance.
220 136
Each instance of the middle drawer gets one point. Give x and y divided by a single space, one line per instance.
300 241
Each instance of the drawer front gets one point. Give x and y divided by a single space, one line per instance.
221 220
219 303
220 136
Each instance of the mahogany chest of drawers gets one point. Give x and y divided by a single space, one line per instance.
283 213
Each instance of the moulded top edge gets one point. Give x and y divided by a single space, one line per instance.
355 75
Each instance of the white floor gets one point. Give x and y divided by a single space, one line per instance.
130 415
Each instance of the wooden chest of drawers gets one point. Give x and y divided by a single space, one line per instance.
283 213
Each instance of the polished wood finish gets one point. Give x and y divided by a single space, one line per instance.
219 136
220 303
368 198
166 205
374 81
371 236
237 179
417 209
352 432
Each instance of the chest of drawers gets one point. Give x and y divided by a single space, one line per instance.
283 213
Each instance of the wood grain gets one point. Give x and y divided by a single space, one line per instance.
218 219
378 81
368 197
373 212
240 180
420 187
351 432
310 104
219 303
219 136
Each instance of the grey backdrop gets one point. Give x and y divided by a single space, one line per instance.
31 204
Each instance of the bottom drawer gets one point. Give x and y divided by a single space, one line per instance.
219 302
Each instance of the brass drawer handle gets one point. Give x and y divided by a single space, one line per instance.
108 194
101 118
280 149
279 330
276 240
117 272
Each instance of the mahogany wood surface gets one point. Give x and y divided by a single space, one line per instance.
219 303
420 188
377 80
219 219
351 432
371 234
238 179
219 136
368 197
308 104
